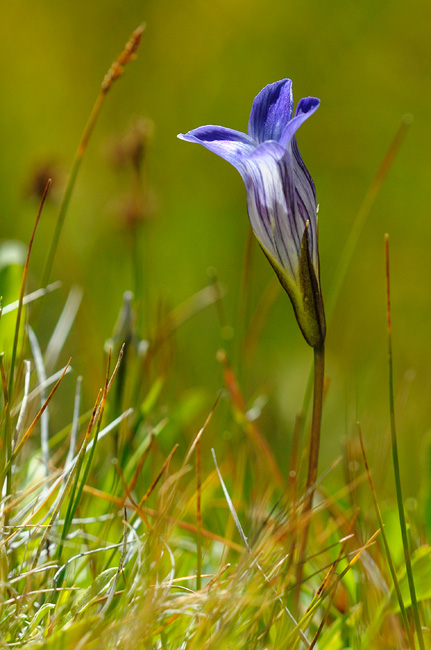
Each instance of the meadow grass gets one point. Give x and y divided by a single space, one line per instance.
117 532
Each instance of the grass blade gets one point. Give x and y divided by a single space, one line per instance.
395 459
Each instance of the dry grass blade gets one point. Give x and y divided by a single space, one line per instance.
41 387
201 431
109 427
23 285
158 477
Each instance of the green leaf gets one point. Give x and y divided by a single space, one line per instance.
96 589
40 614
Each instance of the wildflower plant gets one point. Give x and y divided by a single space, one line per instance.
282 208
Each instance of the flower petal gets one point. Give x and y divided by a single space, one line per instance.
306 107
278 225
271 111
229 144
305 199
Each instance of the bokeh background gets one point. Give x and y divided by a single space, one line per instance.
203 62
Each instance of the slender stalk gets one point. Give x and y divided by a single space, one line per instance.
313 457
395 460
115 71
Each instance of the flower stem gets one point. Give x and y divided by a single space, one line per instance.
313 458
319 375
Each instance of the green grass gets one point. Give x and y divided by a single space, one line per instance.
139 513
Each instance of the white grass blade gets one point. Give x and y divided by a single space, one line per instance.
44 418
24 403
63 327
31 297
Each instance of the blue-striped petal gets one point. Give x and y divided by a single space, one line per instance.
276 219
305 198
271 111
306 107
229 144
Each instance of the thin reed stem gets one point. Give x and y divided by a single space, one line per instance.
115 71
395 460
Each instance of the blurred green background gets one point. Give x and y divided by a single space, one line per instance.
200 63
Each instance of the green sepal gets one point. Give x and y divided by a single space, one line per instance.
314 325
304 293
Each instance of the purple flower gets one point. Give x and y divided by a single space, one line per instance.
281 197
